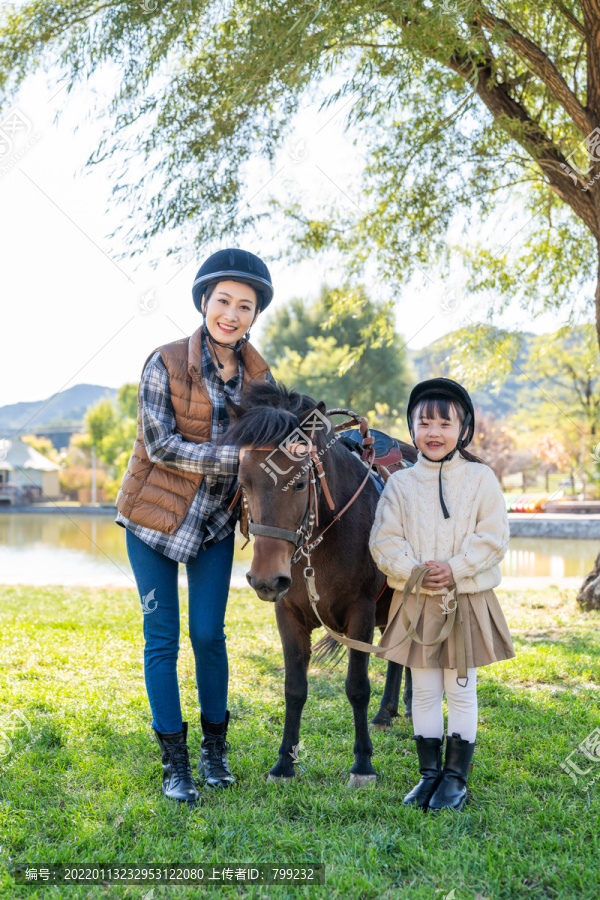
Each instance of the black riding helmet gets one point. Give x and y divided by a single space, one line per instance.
447 389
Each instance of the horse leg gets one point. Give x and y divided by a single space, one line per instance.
388 708
295 639
358 691
407 695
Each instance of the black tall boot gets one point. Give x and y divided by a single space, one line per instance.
177 779
452 790
213 754
429 751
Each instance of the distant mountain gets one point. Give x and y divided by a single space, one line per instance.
66 408
429 362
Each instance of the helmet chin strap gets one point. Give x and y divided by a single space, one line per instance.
459 443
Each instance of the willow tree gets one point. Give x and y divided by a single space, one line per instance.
459 106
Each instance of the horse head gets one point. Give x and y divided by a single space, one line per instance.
286 435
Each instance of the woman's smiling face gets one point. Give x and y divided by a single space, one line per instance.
230 310
435 436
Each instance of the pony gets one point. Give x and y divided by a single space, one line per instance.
272 422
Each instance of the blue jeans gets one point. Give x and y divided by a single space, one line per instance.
208 578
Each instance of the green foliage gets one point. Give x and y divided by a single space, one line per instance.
533 383
127 400
561 390
458 107
562 379
113 431
342 348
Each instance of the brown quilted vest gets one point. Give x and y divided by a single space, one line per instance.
150 494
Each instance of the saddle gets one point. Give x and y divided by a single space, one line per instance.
388 455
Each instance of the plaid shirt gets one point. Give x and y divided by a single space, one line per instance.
208 520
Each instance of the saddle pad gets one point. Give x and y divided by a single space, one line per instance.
379 482
383 442
348 438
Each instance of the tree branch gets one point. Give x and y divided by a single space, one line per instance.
342 44
591 16
65 26
572 19
543 67
535 141
506 110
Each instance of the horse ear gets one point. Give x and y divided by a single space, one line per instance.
233 410
321 406
308 415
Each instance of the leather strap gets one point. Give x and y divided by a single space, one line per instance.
452 621
285 534
415 580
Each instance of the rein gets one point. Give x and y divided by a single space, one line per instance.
415 580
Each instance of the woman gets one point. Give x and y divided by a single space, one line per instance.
174 501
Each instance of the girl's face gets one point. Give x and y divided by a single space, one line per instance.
436 437
230 310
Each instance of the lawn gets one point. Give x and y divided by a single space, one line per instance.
80 777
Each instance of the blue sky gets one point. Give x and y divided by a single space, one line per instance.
73 313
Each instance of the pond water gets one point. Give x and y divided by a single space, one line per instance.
90 550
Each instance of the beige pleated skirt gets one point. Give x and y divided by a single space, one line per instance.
487 638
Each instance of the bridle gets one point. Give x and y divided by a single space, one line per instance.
302 537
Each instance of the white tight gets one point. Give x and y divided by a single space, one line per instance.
428 688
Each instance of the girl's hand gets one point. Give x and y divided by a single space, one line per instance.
241 454
440 576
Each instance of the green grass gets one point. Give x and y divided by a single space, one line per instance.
84 785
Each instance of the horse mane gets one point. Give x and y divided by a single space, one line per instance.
266 415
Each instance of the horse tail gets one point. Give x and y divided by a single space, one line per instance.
328 652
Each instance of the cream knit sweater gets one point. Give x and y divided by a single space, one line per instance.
409 525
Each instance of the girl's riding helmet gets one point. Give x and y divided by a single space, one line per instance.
240 265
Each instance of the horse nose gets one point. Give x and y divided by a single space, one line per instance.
271 589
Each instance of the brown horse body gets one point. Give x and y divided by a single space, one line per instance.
276 486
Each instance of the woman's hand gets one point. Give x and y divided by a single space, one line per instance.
241 453
440 576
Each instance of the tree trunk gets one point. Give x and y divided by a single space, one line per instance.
589 592
588 596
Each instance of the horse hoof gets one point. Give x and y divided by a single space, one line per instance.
408 719
358 781
276 779
379 726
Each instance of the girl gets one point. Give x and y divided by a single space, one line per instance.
461 533
173 502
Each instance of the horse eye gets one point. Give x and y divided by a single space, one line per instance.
300 486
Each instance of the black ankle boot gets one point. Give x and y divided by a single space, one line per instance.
452 790
213 754
429 751
177 779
